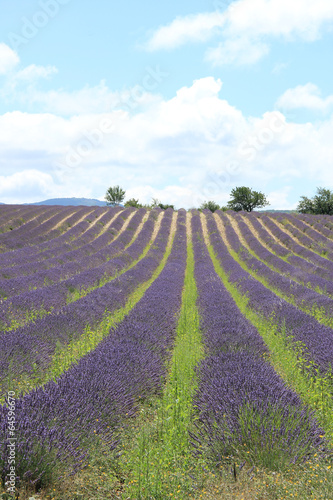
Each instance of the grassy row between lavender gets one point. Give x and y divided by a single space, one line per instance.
316 338
69 354
77 294
278 259
319 313
310 479
288 361
314 242
106 386
283 261
160 460
293 245
112 296
157 461
74 293
321 290
163 464
277 281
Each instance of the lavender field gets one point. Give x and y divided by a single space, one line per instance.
151 354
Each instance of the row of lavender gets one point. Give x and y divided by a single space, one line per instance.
296 261
304 272
320 234
322 224
31 347
14 216
300 294
291 244
69 263
89 401
91 271
11 217
70 230
81 231
130 365
312 239
317 338
21 213
37 229
244 407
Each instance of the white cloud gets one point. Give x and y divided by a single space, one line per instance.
33 73
34 132
305 97
22 87
302 19
31 185
240 51
191 28
8 59
23 186
247 25
280 198
184 150
87 100
25 180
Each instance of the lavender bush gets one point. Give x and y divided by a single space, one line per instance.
58 423
245 409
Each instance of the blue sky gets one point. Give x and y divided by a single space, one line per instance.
180 101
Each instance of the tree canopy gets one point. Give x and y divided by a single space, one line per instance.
133 203
244 198
156 203
211 205
114 195
321 203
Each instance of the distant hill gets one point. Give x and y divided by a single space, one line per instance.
89 202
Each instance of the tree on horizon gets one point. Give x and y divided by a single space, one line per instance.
321 203
114 195
244 198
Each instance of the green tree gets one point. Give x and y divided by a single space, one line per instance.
306 206
156 203
114 195
210 205
321 203
244 198
133 203
165 207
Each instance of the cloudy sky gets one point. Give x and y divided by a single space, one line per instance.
180 100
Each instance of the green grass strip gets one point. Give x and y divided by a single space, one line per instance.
291 234
317 289
286 358
161 459
26 317
319 313
77 294
18 319
66 355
